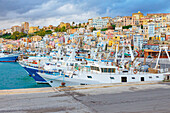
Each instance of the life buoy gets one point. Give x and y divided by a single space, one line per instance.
135 71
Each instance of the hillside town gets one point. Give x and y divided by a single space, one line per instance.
142 32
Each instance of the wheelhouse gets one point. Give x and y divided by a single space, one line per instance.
102 69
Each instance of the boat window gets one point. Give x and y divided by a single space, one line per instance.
95 68
109 69
102 69
61 58
89 76
105 69
150 77
71 64
133 77
113 70
157 76
91 67
111 77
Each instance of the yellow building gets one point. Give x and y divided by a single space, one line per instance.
36 38
98 34
33 29
137 15
66 25
114 41
168 28
155 38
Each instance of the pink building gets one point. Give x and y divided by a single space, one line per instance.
109 34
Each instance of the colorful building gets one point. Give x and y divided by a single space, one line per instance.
33 29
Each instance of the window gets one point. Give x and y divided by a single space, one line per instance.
150 77
111 77
89 76
102 69
157 76
94 68
97 69
109 69
133 77
105 69
71 64
113 70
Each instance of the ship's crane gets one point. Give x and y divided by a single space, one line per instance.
162 48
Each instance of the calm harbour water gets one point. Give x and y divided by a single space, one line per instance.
13 76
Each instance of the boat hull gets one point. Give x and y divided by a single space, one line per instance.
55 81
33 73
8 59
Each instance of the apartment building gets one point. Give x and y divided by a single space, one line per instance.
99 22
25 27
16 28
138 41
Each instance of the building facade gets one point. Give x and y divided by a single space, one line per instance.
25 27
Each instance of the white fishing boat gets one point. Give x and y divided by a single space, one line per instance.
104 72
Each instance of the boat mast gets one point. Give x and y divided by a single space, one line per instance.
116 53
131 53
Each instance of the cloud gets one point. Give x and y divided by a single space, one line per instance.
45 12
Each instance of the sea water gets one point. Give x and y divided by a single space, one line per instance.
13 76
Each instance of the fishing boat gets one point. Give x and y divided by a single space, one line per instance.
8 58
101 73
34 64
43 64
105 72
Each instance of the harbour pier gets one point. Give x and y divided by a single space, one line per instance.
148 97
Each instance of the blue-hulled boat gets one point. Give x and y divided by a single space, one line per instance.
33 72
8 58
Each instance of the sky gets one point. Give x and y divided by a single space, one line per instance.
52 12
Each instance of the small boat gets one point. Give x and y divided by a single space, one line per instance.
8 58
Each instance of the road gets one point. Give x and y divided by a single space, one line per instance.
125 98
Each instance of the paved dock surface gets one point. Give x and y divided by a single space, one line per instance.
106 98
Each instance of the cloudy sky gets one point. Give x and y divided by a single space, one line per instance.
46 12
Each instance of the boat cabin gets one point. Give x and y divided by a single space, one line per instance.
103 68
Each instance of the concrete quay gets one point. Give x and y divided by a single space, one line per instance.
144 97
